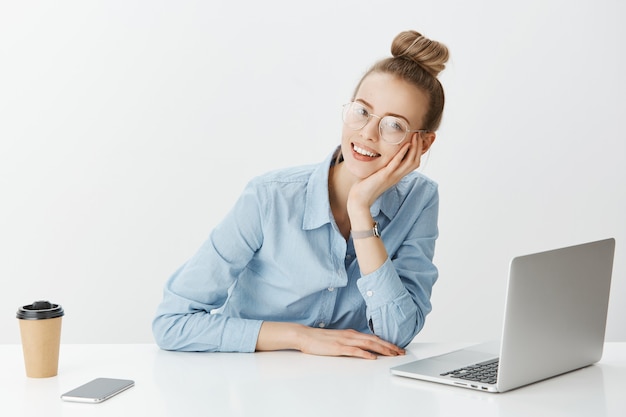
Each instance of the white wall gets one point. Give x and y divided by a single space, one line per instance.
129 127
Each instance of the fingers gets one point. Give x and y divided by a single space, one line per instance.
348 343
414 152
408 157
372 346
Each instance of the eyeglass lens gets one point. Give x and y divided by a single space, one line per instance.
391 129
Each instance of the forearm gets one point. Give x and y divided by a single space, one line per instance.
391 312
278 336
182 325
370 251
397 292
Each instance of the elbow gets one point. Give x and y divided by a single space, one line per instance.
180 332
163 330
406 338
410 336
411 328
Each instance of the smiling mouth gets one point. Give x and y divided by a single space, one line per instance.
364 152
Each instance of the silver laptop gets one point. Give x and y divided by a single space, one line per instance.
554 322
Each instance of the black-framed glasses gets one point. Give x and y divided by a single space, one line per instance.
393 130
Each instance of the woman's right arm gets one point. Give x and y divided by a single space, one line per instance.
186 318
186 321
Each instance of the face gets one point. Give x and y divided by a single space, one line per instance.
382 94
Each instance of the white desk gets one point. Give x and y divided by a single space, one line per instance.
292 384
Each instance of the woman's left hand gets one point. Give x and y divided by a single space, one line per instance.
365 192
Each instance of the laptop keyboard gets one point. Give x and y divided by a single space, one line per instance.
485 372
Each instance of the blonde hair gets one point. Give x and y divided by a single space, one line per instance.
417 60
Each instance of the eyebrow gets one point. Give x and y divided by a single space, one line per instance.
386 114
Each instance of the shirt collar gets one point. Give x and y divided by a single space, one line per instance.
317 205
317 210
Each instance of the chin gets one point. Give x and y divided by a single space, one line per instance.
359 169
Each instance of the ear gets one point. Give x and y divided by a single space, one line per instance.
427 141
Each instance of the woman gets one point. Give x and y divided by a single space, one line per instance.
331 259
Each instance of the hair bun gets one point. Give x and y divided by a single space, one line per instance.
430 55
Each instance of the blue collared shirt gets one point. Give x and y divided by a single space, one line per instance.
279 256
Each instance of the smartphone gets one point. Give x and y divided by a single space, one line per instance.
98 390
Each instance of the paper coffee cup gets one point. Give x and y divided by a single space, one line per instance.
40 328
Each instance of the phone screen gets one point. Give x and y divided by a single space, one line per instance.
98 390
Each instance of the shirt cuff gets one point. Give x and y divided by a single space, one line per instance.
240 335
381 286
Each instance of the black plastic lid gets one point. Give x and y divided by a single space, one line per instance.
40 310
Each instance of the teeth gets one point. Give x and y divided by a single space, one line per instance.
364 152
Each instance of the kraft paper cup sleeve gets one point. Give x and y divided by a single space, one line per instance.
40 329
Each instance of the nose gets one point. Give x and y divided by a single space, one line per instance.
371 129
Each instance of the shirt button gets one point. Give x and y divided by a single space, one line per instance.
370 293
331 289
322 325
